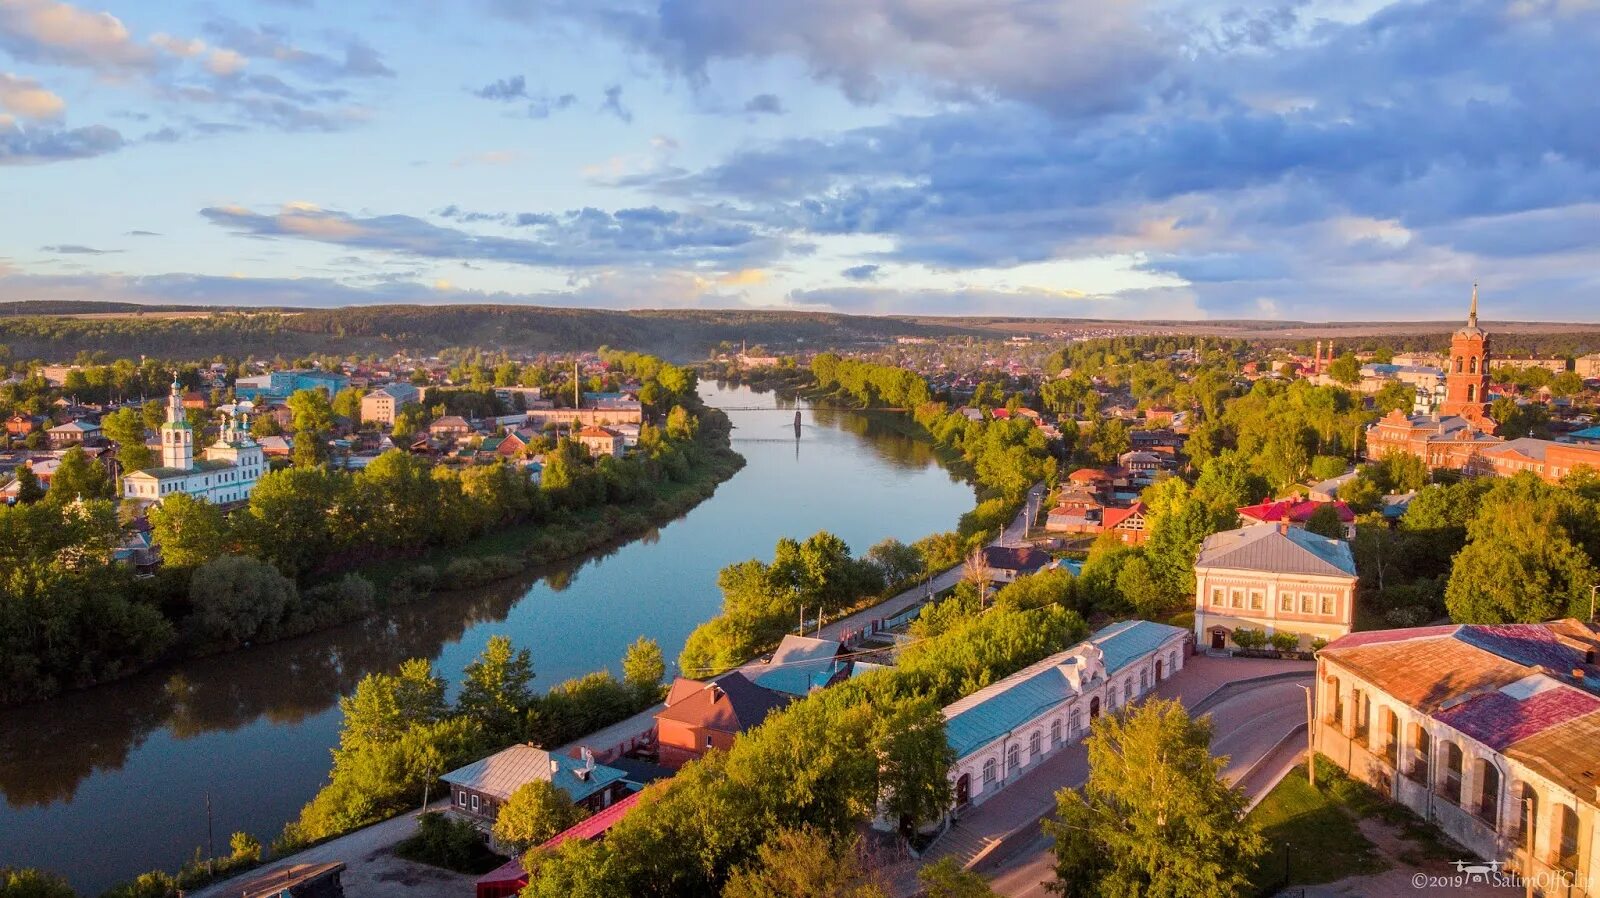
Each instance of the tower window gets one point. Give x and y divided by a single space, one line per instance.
1458 364
1472 365
1472 392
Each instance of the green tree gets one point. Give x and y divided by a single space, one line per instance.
125 427
29 489
1346 369
534 813
155 884
313 420
897 561
1327 467
914 761
1325 522
1521 563
189 531
26 882
236 599
384 706
1155 817
643 667
495 688
347 403
79 477
1395 396
944 878
806 863
1140 589
291 520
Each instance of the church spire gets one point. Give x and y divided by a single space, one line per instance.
1472 315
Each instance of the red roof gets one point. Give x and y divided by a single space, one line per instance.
507 879
1088 475
1115 516
1297 511
593 431
595 825
1499 720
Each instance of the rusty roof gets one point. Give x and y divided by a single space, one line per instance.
1565 754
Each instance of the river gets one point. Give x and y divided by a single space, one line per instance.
106 783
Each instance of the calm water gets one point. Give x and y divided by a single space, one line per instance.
107 783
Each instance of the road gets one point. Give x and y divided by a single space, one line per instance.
1246 727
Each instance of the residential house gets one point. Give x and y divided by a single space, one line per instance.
20 425
1297 512
480 789
700 716
72 433
1274 578
1489 732
601 441
1007 728
803 664
382 405
1077 510
1587 366
1130 524
1144 466
449 428
1006 563
195 401
277 446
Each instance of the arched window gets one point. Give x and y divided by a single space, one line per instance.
1391 735
963 790
1158 670
1055 732
1472 365
1489 793
1144 681
1458 364
1094 708
1013 758
1127 690
1450 785
988 772
1335 702
1472 392
1075 723
1034 745
1421 752
1528 819
1567 838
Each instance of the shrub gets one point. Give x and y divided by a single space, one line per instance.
1247 638
451 844
1286 642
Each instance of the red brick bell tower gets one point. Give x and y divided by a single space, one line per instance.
1467 371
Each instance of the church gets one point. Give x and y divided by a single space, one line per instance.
1460 435
226 474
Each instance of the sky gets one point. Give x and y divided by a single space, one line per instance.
1314 160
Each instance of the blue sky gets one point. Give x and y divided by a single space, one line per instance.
1313 160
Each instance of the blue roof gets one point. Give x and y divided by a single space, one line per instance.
1072 565
799 680
1588 433
1035 689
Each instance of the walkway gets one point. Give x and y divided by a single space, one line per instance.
1250 717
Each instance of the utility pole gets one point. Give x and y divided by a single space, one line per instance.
1311 741
1593 592
211 842
1527 830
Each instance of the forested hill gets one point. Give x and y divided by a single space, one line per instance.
46 331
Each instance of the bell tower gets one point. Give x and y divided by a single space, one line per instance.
177 439
1467 371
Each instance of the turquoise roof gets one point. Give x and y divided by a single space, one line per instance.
1032 694
800 680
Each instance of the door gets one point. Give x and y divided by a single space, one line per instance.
1158 670
963 790
1219 639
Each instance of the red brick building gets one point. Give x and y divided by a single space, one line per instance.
701 716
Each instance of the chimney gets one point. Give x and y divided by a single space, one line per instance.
555 766
1283 526
716 693
1577 674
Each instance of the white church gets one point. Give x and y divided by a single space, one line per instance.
228 473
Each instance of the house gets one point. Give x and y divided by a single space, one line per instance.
1486 731
1328 490
1162 440
297 880
1092 479
1550 460
1005 729
277 446
601 441
21 425
700 716
1144 465
1297 512
1274 578
1006 563
1077 510
228 472
381 405
509 879
72 433
803 664
283 384
1130 524
195 401
514 444
449 428
480 789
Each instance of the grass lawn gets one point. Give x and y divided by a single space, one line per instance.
1311 834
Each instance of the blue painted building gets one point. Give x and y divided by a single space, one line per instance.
280 384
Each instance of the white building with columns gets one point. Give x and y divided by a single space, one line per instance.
227 473
1005 729
1490 732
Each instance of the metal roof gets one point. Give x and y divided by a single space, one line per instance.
800 664
503 772
1279 550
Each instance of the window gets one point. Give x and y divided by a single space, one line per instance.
988 772
1472 392
1306 603
1127 690
1450 786
1255 599
1055 732
1034 748
1528 821
1236 599
1567 828
1472 368
1327 604
1013 758
1075 720
474 802
1458 364
1421 751
1144 681
1489 793
461 799
1216 598
1286 601
708 742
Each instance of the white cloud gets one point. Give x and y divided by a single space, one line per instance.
48 31
25 98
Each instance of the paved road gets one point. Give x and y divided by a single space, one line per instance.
1246 727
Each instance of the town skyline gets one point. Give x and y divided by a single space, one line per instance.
1183 161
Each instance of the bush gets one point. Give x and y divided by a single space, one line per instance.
451 844
1286 642
155 884
1247 638
26 882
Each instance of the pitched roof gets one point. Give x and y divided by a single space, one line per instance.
503 772
1277 549
1295 510
1015 558
800 664
600 432
1116 516
1127 641
729 704
594 825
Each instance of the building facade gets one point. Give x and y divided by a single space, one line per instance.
700 716
1005 729
381 405
227 473
1487 731
479 790
601 442
1466 380
1274 578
